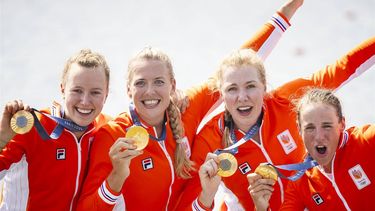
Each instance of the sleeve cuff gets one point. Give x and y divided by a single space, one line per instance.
197 206
280 22
108 195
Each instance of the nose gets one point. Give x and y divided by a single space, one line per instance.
149 89
319 135
85 98
242 95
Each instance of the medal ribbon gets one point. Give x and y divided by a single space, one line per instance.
233 149
308 163
137 122
57 131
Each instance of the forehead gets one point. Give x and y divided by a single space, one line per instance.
319 112
241 74
149 69
80 75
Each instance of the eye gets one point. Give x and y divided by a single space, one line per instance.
250 86
139 83
78 91
96 92
309 128
232 89
159 82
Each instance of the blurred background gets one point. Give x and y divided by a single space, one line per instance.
37 36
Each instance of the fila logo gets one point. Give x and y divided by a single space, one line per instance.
147 164
318 199
60 154
244 168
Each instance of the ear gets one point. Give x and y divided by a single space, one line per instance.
299 128
173 85
128 92
342 124
62 90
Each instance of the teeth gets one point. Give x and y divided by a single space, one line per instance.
84 111
150 102
244 108
320 147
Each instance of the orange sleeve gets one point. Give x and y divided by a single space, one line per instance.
207 141
201 99
333 76
266 38
96 194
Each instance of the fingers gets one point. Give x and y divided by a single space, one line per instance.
124 148
210 167
13 106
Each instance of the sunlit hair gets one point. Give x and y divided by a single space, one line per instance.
318 95
237 59
183 165
86 58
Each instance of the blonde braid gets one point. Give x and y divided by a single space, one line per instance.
183 165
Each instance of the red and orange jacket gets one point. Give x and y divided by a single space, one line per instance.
352 185
152 184
56 168
280 140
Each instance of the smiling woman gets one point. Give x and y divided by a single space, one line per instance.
55 165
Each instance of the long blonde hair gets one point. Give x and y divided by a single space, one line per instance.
182 164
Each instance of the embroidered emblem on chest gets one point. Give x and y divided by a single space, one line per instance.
317 199
244 168
359 177
147 164
60 154
287 142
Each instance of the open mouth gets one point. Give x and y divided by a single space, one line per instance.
321 149
244 110
84 111
150 103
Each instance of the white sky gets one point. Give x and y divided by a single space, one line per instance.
37 36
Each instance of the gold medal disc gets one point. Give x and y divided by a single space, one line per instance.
140 135
227 164
266 171
22 122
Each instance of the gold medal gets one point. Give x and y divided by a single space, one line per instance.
22 122
266 171
140 136
227 164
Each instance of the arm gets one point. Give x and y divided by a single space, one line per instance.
96 193
206 141
260 190
266 38
335 75
263 42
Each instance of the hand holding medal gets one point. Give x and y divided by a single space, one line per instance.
266 171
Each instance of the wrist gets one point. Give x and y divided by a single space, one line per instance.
206 199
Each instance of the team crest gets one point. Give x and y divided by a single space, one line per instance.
359 177
60 154
287 142
147 164
244 168
317 199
